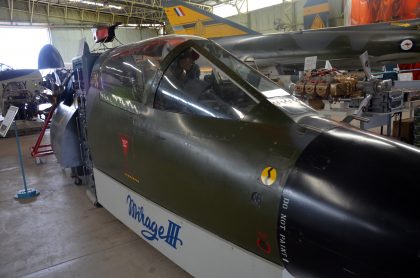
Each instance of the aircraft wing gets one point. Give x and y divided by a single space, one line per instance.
392 42
341 47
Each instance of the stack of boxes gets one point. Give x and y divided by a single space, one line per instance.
405 132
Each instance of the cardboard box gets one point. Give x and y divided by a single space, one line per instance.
406 132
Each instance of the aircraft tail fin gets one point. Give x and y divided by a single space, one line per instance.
187 19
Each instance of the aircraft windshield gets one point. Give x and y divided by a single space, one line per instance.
272 91
268 88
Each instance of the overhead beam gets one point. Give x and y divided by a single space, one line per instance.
201 6
40 11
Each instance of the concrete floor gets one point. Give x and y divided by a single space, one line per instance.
60 233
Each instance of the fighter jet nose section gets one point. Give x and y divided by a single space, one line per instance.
351 208
49 58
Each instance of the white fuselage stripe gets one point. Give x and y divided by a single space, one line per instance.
198 251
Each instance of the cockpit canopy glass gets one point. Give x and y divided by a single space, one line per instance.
255 79
192 84
127 71
204 79
272 91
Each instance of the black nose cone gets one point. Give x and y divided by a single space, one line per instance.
351 208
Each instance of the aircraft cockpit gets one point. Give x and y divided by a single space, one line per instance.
204 79
188 75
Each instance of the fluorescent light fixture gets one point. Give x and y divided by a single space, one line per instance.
88 3
114 7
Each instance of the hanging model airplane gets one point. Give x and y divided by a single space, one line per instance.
386 43
228 175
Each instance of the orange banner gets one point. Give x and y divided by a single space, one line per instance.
372 11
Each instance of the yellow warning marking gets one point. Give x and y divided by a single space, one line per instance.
269 175
131 177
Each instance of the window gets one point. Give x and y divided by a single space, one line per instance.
194 85
123 77
21 46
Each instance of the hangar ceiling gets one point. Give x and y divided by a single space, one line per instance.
87 12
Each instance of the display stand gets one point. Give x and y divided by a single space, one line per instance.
4 128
